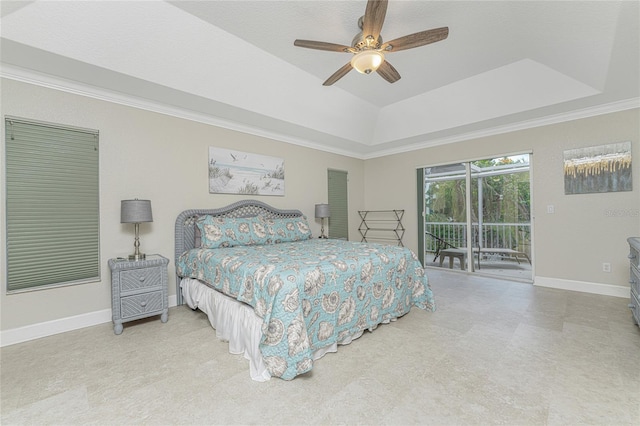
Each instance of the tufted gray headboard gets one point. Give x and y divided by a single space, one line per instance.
186 229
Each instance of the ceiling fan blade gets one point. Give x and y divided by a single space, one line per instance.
338 74
416 40
388 72
374 18
321 45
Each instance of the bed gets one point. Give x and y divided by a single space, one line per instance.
282 298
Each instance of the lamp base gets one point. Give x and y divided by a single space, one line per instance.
136 257
322 229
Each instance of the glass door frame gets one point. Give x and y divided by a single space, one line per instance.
469 176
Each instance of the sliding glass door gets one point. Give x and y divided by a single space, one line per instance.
477 216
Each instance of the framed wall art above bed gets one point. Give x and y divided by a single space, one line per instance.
237 172
282 298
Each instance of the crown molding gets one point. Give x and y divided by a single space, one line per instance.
56 83
612 107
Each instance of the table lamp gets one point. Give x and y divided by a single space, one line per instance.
322 212
136 211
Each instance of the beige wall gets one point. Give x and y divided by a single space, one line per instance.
570 244
161 158
164 159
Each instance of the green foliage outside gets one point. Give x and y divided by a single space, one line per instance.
505 199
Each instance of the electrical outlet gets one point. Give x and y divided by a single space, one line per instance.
606 267
551 209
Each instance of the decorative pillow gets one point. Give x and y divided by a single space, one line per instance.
282 230
228 232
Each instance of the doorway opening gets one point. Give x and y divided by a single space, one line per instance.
477 217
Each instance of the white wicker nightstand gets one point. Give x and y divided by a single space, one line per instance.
138 289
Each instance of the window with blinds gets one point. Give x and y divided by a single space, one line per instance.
338 204
52 200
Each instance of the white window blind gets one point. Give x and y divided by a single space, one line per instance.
52 199
338 204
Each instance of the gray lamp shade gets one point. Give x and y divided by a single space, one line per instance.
135 211
322 211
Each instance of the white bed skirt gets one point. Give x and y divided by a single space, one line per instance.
236 322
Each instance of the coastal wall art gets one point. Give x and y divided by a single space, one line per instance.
237 172
604 168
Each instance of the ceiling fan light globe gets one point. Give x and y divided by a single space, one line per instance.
367 61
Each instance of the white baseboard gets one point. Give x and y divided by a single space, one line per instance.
49 328
583 286
62 325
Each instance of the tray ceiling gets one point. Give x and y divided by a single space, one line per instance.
506 65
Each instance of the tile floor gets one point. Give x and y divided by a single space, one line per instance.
495 352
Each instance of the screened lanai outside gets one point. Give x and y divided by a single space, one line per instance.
479 210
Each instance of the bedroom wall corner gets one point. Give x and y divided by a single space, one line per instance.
585 230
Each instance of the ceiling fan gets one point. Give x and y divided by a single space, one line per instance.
369 50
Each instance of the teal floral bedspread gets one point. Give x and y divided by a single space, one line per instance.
313 293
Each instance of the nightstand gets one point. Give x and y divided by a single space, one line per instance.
138 289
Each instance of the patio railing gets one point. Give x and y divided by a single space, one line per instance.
492 235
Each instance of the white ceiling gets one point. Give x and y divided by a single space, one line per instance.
505 65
